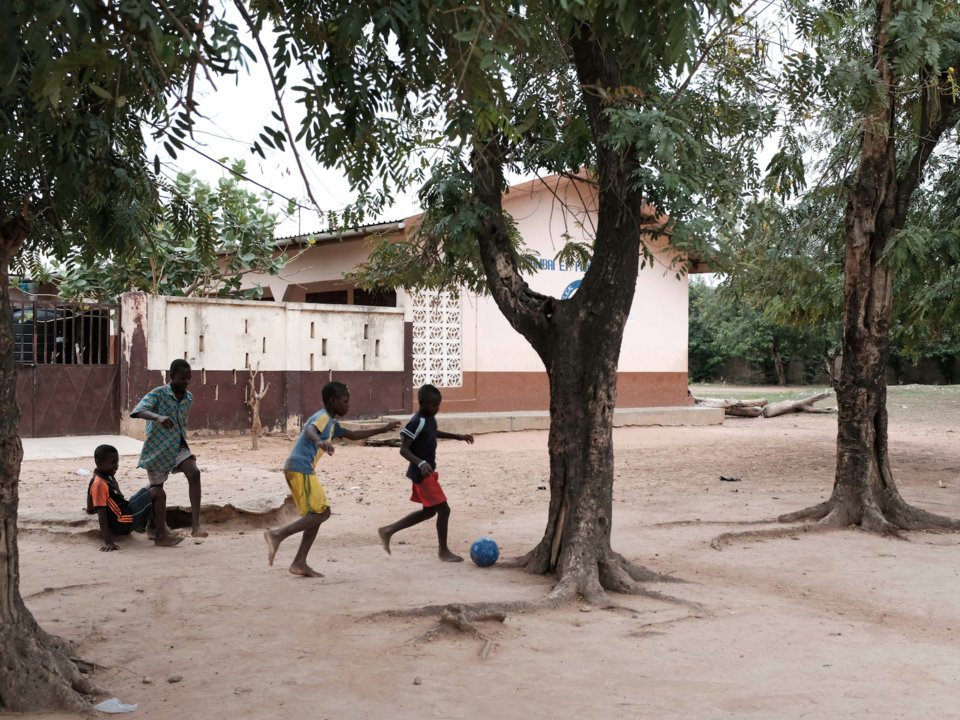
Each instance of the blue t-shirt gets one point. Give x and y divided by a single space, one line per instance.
422 432
305 454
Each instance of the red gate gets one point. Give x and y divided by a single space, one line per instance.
67 372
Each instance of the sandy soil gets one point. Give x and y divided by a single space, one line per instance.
833 626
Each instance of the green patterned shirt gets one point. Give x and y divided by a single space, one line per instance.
162 444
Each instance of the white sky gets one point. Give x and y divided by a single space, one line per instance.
233 115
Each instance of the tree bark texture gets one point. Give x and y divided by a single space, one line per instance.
578 340
35 668
864 491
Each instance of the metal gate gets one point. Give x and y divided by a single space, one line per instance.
67 372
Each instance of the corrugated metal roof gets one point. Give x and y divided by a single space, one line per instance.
346 233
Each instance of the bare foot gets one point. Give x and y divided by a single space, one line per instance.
168 540
304 571
272 545
197 532
384 539
448 556
152 533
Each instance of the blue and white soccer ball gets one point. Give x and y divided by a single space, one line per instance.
484 552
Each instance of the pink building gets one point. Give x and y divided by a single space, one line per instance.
460 341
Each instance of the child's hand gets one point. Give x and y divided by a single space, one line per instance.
327 448
467 439
392 425
165 422
109 547
425 469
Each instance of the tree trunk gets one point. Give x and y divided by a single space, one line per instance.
778 364
864 491
576 542
578 340
35 668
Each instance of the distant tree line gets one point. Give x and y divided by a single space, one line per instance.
732 339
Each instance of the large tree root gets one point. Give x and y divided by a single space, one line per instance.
612 573
833 515
688 523
39 673
462 619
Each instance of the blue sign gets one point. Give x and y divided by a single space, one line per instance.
569 290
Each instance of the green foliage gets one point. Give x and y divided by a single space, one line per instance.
403 92
724 327
203 242
77 82
788 259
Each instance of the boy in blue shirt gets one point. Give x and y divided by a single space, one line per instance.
419 448
314 441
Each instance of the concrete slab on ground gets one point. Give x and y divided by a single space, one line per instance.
480 423
76 446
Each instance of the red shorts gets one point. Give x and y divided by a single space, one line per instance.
428 492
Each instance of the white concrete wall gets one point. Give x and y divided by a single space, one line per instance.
234 334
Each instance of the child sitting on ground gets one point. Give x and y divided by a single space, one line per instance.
117 515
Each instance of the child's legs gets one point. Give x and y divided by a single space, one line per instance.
310 521
189 468
311 525
414 518
443 517
140 507
158 503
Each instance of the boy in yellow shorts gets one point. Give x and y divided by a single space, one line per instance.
317 438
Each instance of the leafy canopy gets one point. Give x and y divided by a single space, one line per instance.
203 242
78 80
788 261
402 93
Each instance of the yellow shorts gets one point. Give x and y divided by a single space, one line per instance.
308 493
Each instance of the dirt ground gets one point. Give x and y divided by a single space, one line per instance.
831 626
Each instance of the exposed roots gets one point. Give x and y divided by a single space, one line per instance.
39 672
834 515
590 584
908 517
620 575
688 523
814 512
832 521
461 619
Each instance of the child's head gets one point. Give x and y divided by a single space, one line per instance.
429 398
107 459
336 398
179 374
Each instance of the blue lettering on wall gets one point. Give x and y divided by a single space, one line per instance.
562 265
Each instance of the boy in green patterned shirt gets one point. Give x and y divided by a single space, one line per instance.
165 449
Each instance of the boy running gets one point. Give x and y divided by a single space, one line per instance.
165 450
117 515
419 448
317 438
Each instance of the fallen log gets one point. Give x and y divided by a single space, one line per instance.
760 407
728 404
802 405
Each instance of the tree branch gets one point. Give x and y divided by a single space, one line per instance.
527 311
936 117
277 95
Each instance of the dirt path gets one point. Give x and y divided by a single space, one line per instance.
843 625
